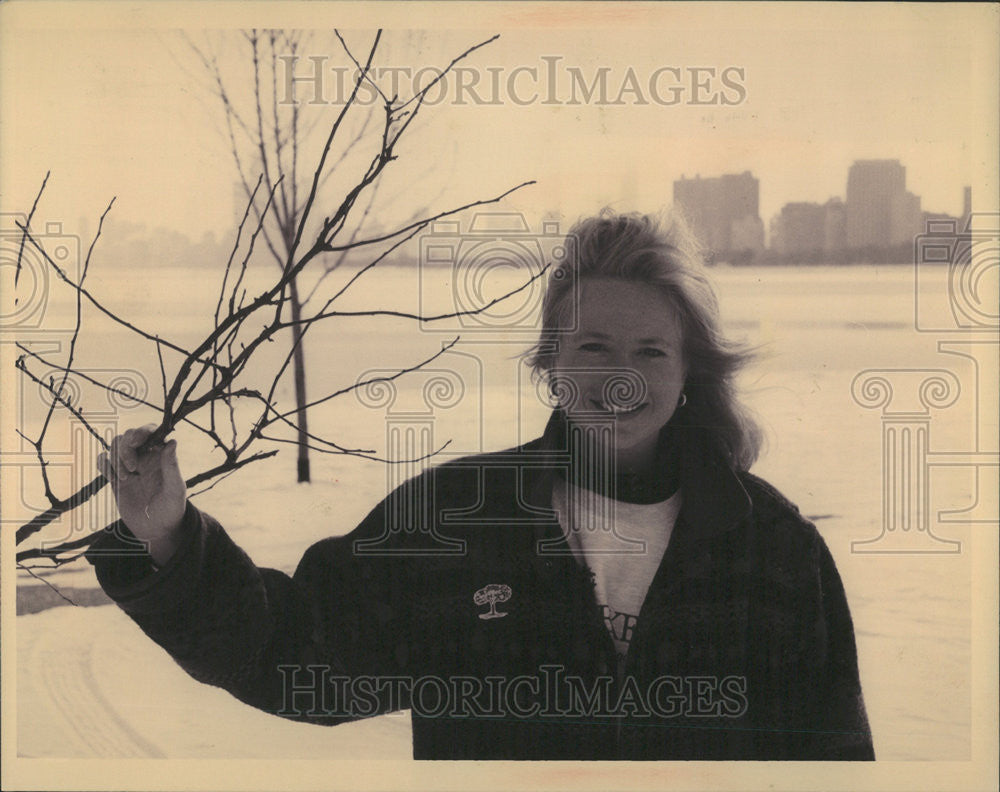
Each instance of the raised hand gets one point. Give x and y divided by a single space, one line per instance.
148 487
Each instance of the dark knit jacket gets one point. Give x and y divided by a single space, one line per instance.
743 649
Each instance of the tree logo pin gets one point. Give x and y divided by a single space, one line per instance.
491 595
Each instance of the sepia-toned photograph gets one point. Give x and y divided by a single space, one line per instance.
580 395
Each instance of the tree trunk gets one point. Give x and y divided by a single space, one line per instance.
299 369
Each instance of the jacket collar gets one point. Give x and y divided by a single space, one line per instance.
714 500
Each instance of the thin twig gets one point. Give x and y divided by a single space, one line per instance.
360 454
435 317
93 300
362 383
307 208
39 443
21 365
427 220
47 583
31 214
226 467
108 388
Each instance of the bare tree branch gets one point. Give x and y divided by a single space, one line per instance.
40 441
420 224
110 389
242 324
93 301
325 448
307 208
31 214
81 496
40 579
436 317
362 383
58 396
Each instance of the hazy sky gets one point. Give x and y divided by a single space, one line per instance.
109 99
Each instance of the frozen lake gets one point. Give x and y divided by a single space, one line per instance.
816 329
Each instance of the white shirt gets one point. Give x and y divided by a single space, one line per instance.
622 544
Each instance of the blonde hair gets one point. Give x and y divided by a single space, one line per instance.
659 251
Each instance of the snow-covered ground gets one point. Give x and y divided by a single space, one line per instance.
89 684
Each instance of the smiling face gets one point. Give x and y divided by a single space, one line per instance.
625 359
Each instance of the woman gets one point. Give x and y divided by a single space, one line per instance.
620 588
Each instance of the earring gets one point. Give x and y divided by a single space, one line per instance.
683 400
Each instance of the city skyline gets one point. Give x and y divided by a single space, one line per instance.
876 210
828 219
735 181
812 221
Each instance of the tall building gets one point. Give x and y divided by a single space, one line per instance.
747 233
724 211
834 225
801 227
905 219
874 188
